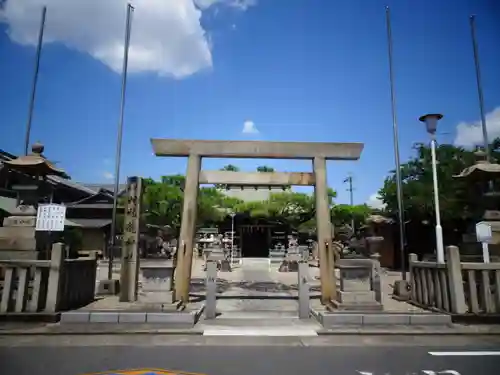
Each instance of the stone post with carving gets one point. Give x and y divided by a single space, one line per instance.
129 277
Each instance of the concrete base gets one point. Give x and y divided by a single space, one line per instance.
360 307
156 297
402 290
108 287
335 319
357 297
187 318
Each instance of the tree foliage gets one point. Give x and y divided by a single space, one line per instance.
456 196
163 201
345 214
265 168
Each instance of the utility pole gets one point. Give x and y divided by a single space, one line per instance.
479 87
350 189
128 28
395 131
35 81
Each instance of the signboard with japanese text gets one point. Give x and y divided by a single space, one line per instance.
50 217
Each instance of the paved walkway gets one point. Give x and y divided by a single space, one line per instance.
255 285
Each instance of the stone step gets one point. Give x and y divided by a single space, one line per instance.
261 319
329 319
290 331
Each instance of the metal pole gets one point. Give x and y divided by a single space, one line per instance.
35 81
351 197
439 229
396 149
232 238
128 28
479 86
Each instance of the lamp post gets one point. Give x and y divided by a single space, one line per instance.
232 214
431 121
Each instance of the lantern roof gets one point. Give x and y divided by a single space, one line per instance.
35 163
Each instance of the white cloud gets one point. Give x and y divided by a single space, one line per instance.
108 175
249 128
167 37
375 202
471 134
240 4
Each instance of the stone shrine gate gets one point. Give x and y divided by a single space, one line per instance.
195 150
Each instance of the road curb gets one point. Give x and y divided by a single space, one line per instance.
104 332
372 332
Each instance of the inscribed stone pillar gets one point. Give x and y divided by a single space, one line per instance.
129 276
324 232
188 227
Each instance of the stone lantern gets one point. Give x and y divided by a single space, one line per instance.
483 180
17 236
373 239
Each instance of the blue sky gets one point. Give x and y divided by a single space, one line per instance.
314 70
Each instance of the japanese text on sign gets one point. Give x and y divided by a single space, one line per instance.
50 217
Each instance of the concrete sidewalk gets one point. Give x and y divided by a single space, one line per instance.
199 329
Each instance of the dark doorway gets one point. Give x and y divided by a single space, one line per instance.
254 241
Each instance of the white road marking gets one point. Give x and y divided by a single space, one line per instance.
259 331
465 354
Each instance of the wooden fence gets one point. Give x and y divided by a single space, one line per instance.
455 287
31 286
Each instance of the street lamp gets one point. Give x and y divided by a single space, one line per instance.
431 121
232 214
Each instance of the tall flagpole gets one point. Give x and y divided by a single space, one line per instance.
396 148
479 86
128 28
35 81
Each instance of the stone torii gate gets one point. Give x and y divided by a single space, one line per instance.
195 150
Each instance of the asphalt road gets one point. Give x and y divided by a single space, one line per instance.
250 356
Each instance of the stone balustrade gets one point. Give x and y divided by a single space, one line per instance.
455 287
31 286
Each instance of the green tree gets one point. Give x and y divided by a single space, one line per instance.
163 201
290 207
265 168
343 214
229 168
457 198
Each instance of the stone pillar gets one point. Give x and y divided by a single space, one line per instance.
188 228
324 231
303 282
53 298
211 289
454 270
129 276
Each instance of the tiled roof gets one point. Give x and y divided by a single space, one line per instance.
108 187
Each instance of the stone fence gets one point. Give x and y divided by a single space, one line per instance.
455 287
49 286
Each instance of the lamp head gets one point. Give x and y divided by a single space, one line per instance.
431 121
